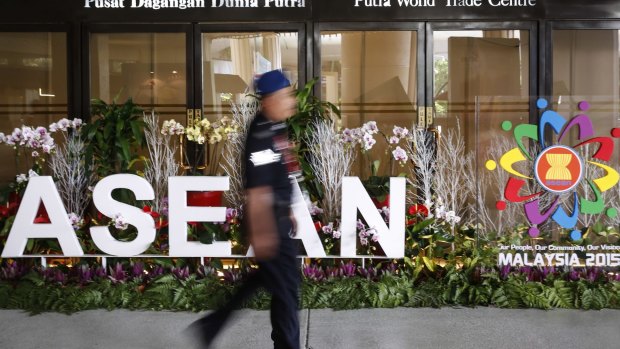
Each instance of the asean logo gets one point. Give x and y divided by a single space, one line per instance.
559 170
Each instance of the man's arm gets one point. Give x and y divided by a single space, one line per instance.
262 227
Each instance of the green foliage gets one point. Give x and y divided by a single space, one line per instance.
467 283
309 109
378 187
560 295
465 286
114 136
427 294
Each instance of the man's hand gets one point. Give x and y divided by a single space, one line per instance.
262 229
293 224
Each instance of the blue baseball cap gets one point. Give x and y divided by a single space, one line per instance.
271 82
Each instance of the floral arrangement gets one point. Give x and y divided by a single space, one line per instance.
30 144
162 163
213 134
442 245
341 285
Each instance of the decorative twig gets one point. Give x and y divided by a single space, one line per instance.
162 164
421 150
330 159
233 154
73 175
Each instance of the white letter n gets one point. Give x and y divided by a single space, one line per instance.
354 198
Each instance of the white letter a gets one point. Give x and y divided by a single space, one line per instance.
41 190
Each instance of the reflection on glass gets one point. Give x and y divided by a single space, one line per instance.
231 62
371 76
150 68
473 63
586 67
33 86
492 143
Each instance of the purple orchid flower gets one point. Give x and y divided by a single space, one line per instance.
573 275
504 271
592 274
348 270
206 271
370 273
137 270
54 275
12 271
85 274
156 271
313 272
180 273
100 272
232 275
117 274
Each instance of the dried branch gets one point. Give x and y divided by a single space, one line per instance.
330 159
421 150
450 173
488 186
162 163
73 174
233 154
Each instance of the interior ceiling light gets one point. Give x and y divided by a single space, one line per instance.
45 94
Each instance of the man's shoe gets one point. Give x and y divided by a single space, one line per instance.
205 330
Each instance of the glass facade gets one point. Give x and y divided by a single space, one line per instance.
33 88
474 63
231 62
459 77
150 68
586 67
371 76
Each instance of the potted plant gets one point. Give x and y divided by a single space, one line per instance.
203 157
114 136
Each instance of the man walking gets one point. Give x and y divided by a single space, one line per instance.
267 217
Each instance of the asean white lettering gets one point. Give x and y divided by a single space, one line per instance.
42 190
159 4
105 3
373 3
285 3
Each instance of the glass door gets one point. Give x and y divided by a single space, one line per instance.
585 65
373 75
232 56
466 61
148 63
34 89
480 77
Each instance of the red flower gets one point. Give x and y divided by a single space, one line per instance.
152 213
418 209
160 222
318 226
42 219
42 216
13 207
